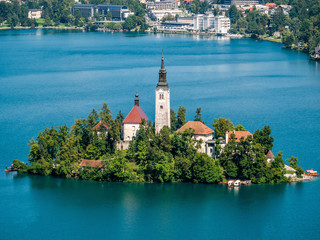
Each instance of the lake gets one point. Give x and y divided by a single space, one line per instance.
50 78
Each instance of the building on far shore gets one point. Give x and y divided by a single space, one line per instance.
163 5
34 13
203 21
159 14
118 12
221 24
241 2
201 132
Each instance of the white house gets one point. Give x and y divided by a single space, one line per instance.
34 13
201 132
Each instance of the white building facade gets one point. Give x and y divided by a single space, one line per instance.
221 24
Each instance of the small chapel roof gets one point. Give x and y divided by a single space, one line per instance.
135 115
270 155
98 126
198 127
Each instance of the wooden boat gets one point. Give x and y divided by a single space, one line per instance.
247 182
11 169
312 173
237 183
230 184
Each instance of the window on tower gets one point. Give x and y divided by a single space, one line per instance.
161 107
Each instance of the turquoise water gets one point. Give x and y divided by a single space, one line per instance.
51 78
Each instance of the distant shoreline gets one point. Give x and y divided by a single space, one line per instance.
231 36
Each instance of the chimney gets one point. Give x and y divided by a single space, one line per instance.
227 137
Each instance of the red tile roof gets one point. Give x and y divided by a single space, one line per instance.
270 154
272 5
135 115
239 135
91 163
198 127
98 126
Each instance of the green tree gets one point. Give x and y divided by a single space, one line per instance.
240 128
181 117
264 137
105 114
109 16
287 38
173 120
234 14
206 170
221 126
198 115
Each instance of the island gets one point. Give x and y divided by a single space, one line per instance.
133 149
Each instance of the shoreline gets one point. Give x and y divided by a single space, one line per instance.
208 34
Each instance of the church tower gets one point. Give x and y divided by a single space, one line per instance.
162 117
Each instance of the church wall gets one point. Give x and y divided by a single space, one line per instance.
162 111
129 131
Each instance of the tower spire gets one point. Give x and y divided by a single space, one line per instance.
162 62
162 74
136 99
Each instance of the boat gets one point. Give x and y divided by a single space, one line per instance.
237 183
312 173
247 182
230 184
11 169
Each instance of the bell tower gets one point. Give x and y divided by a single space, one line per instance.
162 117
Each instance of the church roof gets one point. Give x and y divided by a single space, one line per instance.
135 115
98 126
198 127
91 163
239 135
270 154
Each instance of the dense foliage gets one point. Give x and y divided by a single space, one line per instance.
299 29
165 157
58 12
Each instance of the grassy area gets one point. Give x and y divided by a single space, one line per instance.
290 172
272 39
40 21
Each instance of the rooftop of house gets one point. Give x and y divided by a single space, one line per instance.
98 126
270 155
91 163
198 127
239 135
135 115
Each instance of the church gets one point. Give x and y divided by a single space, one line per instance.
131 124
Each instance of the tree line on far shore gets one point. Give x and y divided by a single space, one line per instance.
165 157
57 13
300 29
